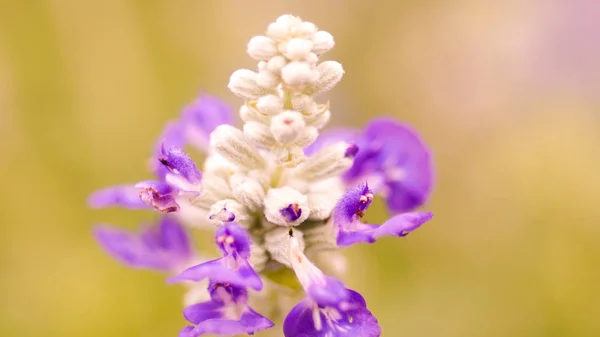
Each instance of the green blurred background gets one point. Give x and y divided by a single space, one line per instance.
506 93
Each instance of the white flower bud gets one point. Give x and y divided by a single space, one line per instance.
304 103
214 188
259 135
289 156
262 65
298 49
311 58
251 114
320 118
320 238
276 63
307 137
266 79
228 210
263 177
249 193
322 42
261 48
277 242
330 74
306 29
258 258
287 126
288 20
216 164
277 31
298 73
243 83
270 104
230 143
286 207
328 162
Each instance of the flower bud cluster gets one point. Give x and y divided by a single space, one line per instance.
280 113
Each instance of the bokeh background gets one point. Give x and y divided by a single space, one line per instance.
506 93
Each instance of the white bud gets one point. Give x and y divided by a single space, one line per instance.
286 206
228 210
259 135
266 79
330 74
311 58
251 114
262 176
262 65
276 63
320 238
307 29
270 104
323 196
298 48
278 31
214 188
322 42
216 164
308 136
249 193
243 83
288 20
230 143
304 104
287 126
289 156
258 258
277 242
298 73
320 118
328 162
261 48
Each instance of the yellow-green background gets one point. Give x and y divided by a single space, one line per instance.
506 93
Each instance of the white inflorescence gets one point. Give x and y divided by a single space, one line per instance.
259 173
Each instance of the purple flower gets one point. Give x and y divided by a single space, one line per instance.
165 246
159 195
352 206
202 117
395 158
182 171
227 313
233 267
330 309
126 196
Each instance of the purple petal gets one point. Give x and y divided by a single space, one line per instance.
292 212
233 239
188 331
127 196
331 137
354 321
330 294
162 247
172 135
399 225
200 312
164 203
202 117
353 204
180 164
219 270
249 323
397 155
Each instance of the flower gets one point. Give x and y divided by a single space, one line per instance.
353 205
226 314
233 267
330 309
164 246
275 191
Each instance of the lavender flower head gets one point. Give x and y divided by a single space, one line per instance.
274 191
